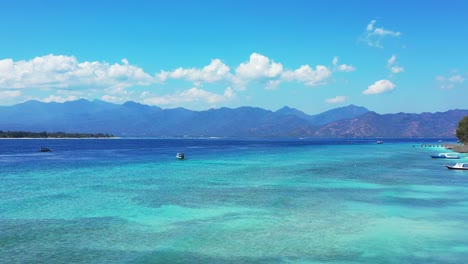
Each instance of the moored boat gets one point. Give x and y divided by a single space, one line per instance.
445 156
44 149
458 166
180 155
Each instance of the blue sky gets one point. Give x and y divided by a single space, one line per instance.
388 56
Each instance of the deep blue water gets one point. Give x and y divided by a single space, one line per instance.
231 201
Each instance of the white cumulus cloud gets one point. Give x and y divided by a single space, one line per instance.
10 94
380 87
258 66
450 82
342 67
59 71
336 99
392 64
456 79
397 69
370 26
213 72
59 99
310 77
375 35
191 95
272 84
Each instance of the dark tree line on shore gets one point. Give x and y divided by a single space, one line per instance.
25 134
462 130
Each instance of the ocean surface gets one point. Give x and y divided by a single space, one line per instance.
231 201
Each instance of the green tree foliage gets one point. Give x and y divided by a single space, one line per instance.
462 130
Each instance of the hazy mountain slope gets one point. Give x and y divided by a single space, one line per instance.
133 119
395 125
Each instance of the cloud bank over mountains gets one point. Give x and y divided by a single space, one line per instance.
66 78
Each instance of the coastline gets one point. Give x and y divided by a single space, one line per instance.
458 148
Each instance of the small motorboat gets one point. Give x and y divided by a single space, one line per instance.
380 142
445 156
44 149
458 166
180 155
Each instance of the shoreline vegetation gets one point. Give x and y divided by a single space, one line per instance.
25 134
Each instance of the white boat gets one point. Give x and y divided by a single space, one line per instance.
445 156
180 155
458 166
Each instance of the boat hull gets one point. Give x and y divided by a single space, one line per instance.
444 157
458 166
455 168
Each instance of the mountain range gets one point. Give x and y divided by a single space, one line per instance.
138 120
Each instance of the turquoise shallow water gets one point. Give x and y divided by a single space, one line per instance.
230 201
